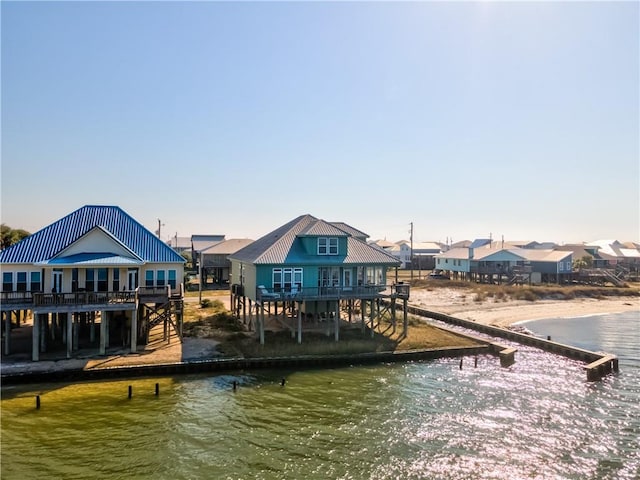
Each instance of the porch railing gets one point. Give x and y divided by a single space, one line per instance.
83 298
320 293
38 299
16 298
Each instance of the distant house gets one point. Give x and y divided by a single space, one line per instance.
401 250
215 262
424 254
482 262
95 265
202 242
180 244
313 263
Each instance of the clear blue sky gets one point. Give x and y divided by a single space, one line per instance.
515 119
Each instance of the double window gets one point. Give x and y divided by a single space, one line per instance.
285 278
328 246
103 276
7 281
21 284
36 285
90 280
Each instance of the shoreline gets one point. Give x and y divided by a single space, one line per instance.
445 301
505 314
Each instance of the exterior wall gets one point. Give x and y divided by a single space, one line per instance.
179 268
310 245
96 241
452 264
238 269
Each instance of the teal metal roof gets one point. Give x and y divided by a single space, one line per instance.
283 246
53 239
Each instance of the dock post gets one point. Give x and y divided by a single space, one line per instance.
69 334
104 332
35 337
134 331
7 332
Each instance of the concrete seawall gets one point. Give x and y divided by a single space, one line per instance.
599 364
231 364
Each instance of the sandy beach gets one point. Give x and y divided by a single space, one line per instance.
460 304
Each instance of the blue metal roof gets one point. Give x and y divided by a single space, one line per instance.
93 259
50 241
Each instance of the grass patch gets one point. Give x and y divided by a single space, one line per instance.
530 293
352 341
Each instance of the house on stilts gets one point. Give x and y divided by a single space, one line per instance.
94 279
313 272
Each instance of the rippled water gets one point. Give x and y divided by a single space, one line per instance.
536 419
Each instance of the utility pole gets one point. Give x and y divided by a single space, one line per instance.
160 224
411 240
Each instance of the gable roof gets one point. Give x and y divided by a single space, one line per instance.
354 232
227 247
320 228
202 242
480 242
280 246
53 239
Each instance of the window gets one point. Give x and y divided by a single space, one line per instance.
297 277
160 278
370 275
148 278
116 280
172 279
277 279
7 281
103 275
327 246
561 266
21 284
74 279
35 282
90 280
569 267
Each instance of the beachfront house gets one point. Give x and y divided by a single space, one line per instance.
95 267
311 263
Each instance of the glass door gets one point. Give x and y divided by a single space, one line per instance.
56 278
132 278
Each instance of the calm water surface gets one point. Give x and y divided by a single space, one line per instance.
539 419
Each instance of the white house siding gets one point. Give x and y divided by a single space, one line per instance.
96 241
